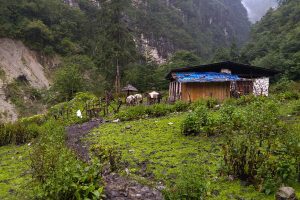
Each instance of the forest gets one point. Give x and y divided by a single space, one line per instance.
79 138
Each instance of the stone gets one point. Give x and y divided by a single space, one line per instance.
231 178
128 127
286 193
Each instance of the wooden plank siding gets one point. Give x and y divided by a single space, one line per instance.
196 91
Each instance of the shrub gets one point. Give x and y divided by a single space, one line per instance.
17 133
296 109
156 110
191 184
36 119
108 155
211 103
255 150
56 171
66 111
289 95
195 122
181 106
132 113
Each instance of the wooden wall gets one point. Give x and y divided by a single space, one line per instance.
195 91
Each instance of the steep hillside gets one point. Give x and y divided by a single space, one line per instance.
200 26
162 27
275 40
17 62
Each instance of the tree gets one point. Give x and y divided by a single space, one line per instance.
68 81
116 45
178 60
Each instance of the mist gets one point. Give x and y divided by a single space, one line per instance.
258 8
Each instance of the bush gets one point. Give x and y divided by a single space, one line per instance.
66 111
109 155
156 110
195 122
17 133
57 172
181 106
191 184
296 110
255 150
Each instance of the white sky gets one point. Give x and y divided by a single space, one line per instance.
258 8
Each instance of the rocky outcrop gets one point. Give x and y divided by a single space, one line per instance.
286 193
19 62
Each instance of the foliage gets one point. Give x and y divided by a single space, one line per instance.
17 133
108 155
67 111
179 59
156 110
57 172
155 152
15 178
190 184
255 150
27 99
195 121
275 40
68 81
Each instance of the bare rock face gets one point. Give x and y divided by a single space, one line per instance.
286 193
17 60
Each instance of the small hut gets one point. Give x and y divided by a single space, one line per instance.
218 80
129 89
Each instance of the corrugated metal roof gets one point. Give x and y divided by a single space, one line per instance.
201 77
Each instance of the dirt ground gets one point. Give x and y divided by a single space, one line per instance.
116 186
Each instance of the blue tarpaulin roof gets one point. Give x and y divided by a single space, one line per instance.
187 77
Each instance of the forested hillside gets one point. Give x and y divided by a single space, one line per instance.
158 27
91 38
275 40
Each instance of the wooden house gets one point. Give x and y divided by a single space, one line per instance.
219 81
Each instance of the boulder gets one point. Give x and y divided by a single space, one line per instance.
286 193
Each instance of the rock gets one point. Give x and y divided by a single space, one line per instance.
231 178
286 193
116 121
128 127
127 171
215 192
170 123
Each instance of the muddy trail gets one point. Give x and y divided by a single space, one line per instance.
116 186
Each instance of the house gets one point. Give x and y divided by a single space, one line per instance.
218 80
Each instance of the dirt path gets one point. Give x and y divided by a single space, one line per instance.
117 187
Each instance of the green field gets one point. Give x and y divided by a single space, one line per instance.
154 150
14 171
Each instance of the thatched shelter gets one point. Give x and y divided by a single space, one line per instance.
129 89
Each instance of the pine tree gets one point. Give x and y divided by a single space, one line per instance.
117 47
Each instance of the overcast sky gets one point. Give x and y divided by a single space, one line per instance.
258 8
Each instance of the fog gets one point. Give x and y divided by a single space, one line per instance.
258 8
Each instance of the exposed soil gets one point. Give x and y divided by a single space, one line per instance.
117 187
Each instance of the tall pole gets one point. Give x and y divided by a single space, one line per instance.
118 80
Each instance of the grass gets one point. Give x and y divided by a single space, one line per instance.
14 174
154 150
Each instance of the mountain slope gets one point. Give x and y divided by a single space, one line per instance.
200 26
275 40
161 27
17 62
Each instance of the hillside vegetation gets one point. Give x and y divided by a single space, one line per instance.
242 148
275 40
